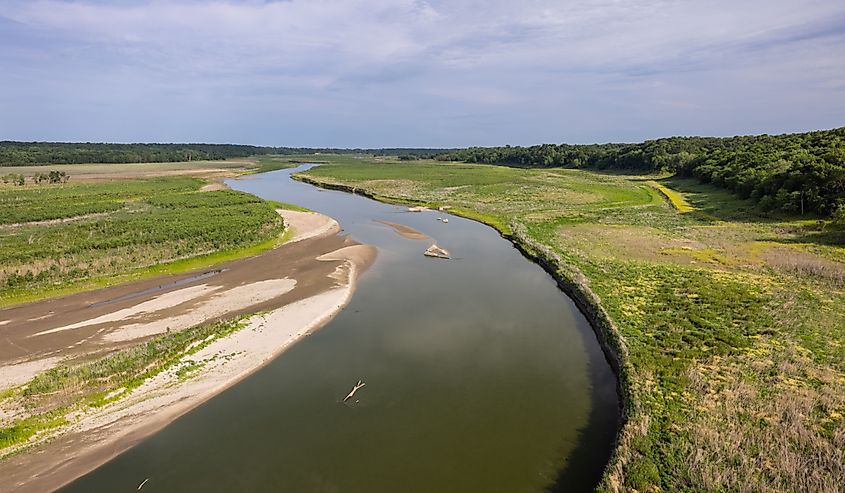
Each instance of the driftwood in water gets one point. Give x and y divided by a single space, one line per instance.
436 251
354 389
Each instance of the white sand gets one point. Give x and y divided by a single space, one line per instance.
224 362
308 224
161 302
214 306
19 373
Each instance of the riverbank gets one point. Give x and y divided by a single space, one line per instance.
726 316
277 298
572 282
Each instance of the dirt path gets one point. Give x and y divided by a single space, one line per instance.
297 288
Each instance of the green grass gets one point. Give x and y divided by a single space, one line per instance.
22 430
274 163
46 202
146 228
733 319
288 207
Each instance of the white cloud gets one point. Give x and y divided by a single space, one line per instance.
460 57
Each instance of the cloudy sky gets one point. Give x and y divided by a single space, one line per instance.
373 73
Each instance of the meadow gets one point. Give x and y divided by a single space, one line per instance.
56 239
729 320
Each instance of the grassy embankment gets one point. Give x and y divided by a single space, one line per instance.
58 239
732 323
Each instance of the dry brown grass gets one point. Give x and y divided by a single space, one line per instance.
805 264
769 420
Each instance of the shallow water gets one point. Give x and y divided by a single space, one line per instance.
481 376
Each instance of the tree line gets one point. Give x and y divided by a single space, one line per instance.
802 173
46 153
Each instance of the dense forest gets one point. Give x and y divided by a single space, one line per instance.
45 153
803 173
29 153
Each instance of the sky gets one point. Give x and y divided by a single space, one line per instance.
413 73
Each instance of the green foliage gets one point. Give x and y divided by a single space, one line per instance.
16 179
22 430
44 153
288 207
803 173
46 203
56 176
130 367
137 224
108 378
839 216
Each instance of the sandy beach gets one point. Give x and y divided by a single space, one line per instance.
291 290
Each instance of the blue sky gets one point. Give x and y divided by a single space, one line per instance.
379 73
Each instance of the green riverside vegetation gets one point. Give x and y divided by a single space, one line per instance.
801 173
728 319
60 238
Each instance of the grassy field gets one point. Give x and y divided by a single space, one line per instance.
732 322
273 163
56 239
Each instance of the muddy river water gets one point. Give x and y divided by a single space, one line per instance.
481 376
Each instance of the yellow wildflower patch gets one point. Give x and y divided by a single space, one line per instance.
676 199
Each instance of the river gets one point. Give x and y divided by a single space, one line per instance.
481 376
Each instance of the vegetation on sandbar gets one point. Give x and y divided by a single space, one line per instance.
52 397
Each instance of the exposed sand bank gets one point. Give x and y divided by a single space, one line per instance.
307 225
297 288
405 231
212 187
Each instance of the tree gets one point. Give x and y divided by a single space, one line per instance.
58 176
